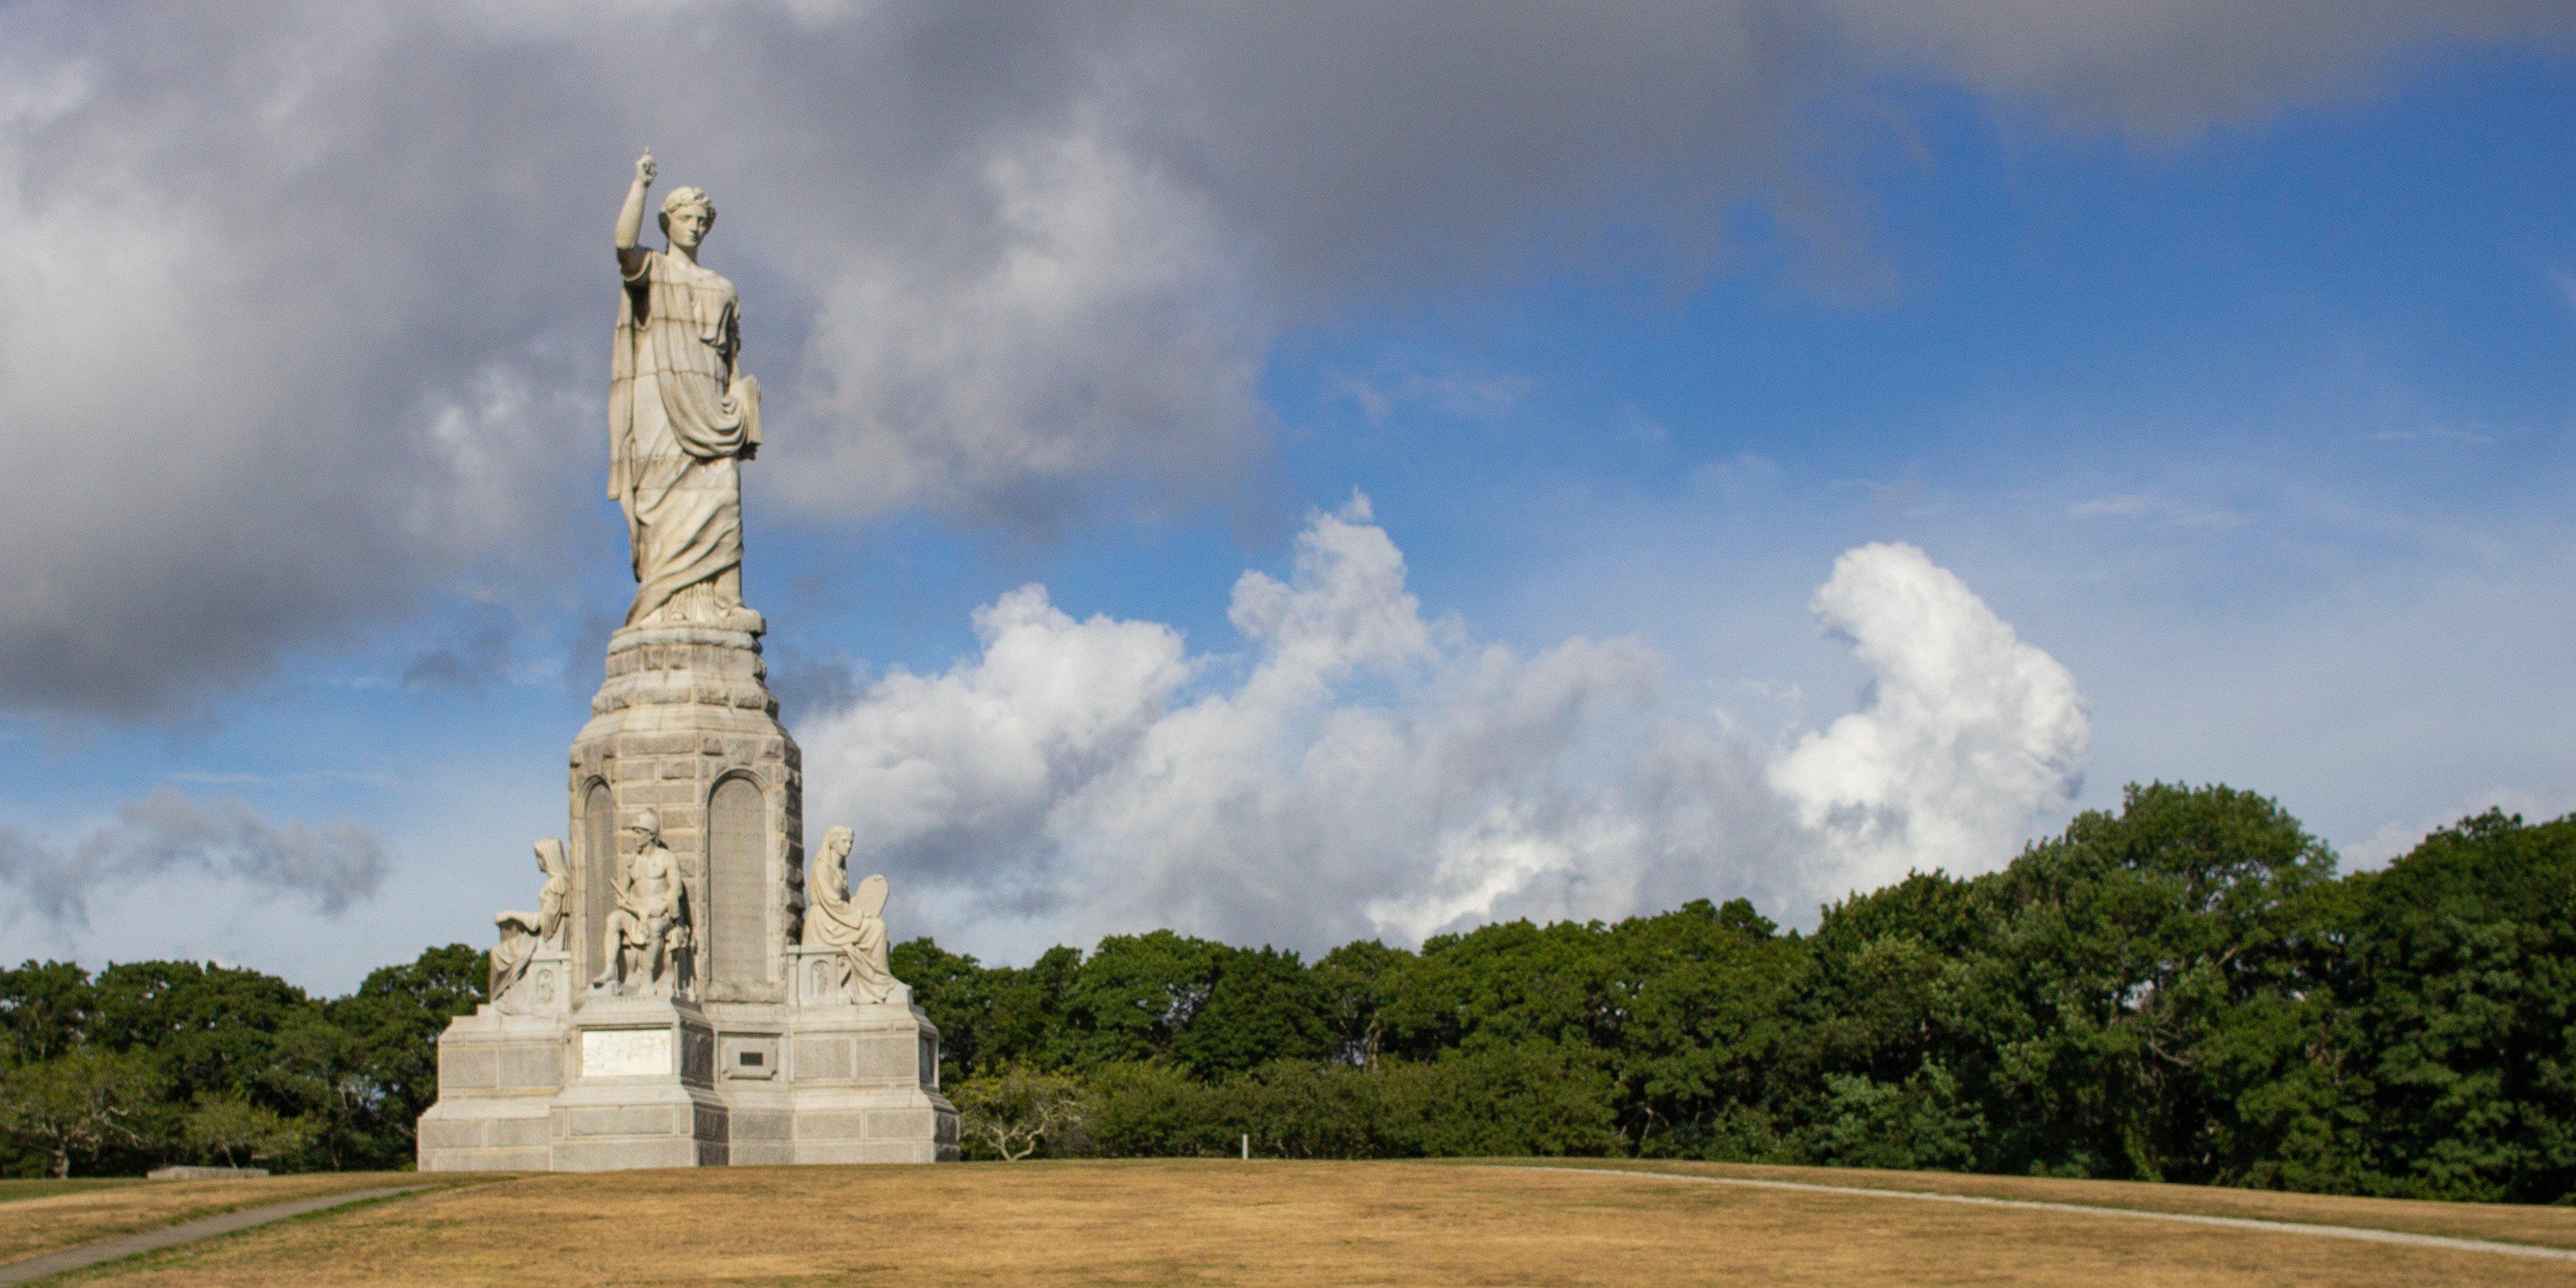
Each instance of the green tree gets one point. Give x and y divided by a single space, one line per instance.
204 1027
1013 1112
1310 1109
950 989
1502 1102
2455 1027
1031 1018
1505 985
1901 1006
1262 1006
367 1064
45 1009
1355 978
2132 998
78 1104
2132 938
992 1016
227 1123
1156 1111
1135 995
1918 1124
1699 995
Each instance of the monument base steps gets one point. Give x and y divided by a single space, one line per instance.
637 1082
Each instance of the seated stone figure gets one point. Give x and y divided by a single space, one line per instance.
850 921
648 931
523 934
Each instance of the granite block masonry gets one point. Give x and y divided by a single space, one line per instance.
677 999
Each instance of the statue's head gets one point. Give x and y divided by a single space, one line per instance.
649 825
687 214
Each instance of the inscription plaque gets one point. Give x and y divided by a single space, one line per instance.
626 1053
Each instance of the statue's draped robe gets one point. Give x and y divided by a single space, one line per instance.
835 921
678 423
510 957
524 933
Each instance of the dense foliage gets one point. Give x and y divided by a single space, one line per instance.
2184 991
152 1062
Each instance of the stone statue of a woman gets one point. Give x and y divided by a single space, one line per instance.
851 921
524 934
681 417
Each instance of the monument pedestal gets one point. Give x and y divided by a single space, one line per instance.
497 1080
642 1090
865 1074
768 1056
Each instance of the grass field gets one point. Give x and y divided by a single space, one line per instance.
55 1217
1308 1223
47 1187
2548 1227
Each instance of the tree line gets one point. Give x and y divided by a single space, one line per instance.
2184 990
157 1062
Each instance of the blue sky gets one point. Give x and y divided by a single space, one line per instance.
2257 425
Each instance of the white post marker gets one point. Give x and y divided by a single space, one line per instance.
1247 1147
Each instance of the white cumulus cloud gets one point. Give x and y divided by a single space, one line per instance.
308 303
1362 770
1967 732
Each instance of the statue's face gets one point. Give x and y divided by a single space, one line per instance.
689 226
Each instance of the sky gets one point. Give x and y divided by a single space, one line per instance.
1285 473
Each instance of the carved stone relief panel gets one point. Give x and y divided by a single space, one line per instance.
737 883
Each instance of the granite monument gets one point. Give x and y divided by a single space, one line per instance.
675 1001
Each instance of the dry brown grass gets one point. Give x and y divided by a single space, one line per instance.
15 1188
1255 1223
31 1226
2548 1227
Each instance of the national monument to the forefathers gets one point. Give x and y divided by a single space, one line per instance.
683 996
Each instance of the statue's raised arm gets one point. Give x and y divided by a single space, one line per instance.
630 218
681 417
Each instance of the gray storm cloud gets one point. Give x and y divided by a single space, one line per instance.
167 833
307 304
1368 771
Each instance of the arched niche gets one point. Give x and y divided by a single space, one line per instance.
737 917
598 874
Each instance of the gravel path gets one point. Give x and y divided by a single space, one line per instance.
90 1254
